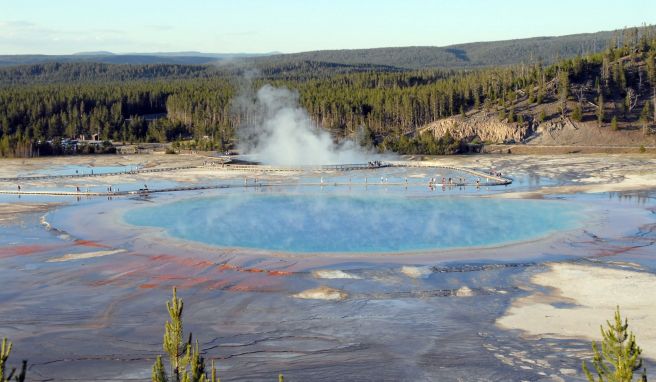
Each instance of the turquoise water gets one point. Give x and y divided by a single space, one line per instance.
347 223
84 170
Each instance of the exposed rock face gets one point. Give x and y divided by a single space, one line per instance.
563 131
485 126
556 131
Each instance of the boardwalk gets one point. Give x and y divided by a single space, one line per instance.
329 167
72 176
493 180
490 180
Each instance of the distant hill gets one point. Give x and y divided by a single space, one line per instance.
96 53
175 58
471 55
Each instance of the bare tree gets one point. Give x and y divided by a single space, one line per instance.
631 99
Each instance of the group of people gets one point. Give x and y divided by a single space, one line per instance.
432 182
213 163
375 163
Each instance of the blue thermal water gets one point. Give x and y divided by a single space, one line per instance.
347 223
85 170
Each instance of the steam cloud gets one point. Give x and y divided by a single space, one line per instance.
278 131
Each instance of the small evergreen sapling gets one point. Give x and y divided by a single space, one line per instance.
185 360
619 355
7 376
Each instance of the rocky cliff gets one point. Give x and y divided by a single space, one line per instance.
486 126
556 131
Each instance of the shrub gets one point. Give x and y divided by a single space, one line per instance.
613 124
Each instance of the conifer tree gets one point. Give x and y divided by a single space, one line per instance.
185 360
644 117
619 355
5 375
563 90
577 114
600 109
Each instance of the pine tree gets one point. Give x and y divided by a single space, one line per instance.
185 360
563 90
619 355
159 374
644 117
600 109
173 344
613 123
577 114
5 375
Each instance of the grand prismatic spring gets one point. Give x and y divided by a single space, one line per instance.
318 271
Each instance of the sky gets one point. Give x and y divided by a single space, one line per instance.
259 26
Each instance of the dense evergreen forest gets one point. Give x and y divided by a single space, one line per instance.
48 102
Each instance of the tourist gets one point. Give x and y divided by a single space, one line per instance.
19 188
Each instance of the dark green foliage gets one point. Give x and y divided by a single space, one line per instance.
425 143
618 356
57 72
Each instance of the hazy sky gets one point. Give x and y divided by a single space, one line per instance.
68 26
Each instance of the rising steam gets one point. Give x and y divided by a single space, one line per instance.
278 131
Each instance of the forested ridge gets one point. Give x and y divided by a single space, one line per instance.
470 55
56 100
